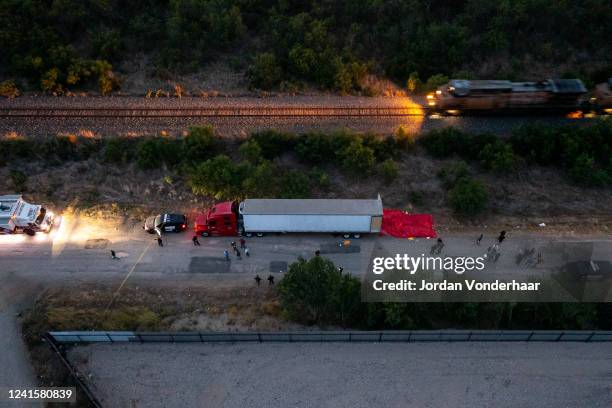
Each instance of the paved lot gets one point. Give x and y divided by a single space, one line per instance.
350 375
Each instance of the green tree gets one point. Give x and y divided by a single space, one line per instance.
357 157
218 177
250 151
498 157
199 144
389 170
295 184
468 197
265 72
316 292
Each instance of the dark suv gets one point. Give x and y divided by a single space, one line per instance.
165 223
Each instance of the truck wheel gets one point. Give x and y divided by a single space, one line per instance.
29 232
356 236
260 234
346 236
205 234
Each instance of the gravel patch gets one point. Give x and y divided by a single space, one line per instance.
349 375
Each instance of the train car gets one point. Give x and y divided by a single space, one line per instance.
602 97
553 95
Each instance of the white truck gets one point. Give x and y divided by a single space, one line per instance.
17 216
347 217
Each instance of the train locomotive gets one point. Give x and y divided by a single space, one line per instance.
465 96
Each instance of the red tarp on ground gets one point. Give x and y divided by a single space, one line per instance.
397 223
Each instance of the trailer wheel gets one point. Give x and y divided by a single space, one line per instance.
260 234
346 236
29 232
356 236
248 234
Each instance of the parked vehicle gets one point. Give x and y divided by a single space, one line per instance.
18 216
259 216
165 223
462 95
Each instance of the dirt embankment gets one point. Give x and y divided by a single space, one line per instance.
523 199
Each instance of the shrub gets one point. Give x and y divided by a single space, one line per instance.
250 151
314 148
584 172
468 197
218 177
8 89
443 142
497 157
259 180
199 144
19 180
273 143
316 292
389 170
434 82
149 154
118 150
404 139
358 158
265 72
295 184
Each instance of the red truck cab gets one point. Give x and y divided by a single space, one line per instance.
221 219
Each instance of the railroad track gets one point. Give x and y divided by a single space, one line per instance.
189 112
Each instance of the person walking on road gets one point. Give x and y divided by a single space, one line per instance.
233 245
242 243
247 252
270 280
226 255
113 254
160 242
502 236
440 245
195 240
238 254
479 239
257 279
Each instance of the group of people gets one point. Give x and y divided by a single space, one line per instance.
270 280
234 246
492 251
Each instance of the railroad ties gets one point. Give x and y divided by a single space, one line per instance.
244 111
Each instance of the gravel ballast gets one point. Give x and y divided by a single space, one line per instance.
349 375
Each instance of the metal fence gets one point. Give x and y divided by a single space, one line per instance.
413 336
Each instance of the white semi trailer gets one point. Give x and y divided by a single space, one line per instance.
345 216
18 216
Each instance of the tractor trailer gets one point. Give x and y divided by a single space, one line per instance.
18 216
348 217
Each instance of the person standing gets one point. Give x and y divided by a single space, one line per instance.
257 279
440 245
270 280
113 254
238 253
195 240
233 245
502 236
160 242
479 239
